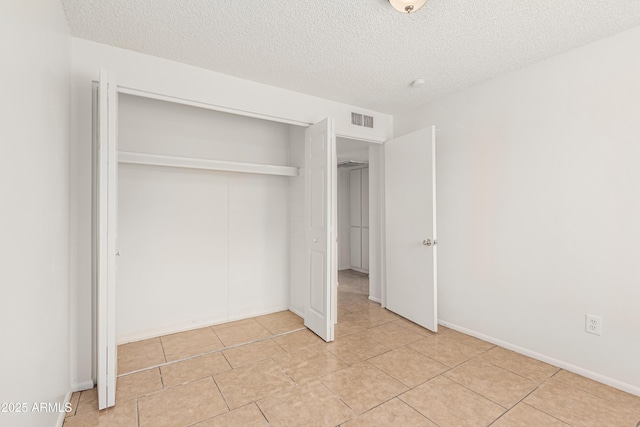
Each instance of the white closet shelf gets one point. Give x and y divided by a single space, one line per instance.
132 158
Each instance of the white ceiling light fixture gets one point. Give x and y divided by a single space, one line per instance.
407 6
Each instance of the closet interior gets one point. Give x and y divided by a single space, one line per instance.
210 217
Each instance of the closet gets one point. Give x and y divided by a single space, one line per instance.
359 219
203 217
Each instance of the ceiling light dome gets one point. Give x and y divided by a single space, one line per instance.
407 6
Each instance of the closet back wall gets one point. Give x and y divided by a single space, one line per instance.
198 247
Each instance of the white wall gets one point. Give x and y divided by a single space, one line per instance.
198 247
538 207
158 75
34 130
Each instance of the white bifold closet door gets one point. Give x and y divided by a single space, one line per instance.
320 224
106 233
410 211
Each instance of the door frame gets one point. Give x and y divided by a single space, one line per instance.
105 234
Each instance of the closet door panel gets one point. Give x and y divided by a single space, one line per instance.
257 245
356 253
354 185
172 238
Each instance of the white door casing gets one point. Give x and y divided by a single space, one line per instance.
320 227
410 220
107 198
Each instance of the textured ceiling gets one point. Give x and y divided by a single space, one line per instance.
360 52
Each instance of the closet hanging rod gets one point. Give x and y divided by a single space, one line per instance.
132 158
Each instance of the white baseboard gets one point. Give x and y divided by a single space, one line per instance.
188 326
82 385
359 270
296 312
547 359
374 299
62 415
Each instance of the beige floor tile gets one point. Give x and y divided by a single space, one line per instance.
517 363
363 386
138 384
309 363
467 340
392 413
251 353
355 348
523 415
124 414
347 327
391 335
408 366
283 321
88 401
193 369
372 316
242 333
414 327
190 343
140 355
342 312
354 306
496 384
311 404
252 382
233 323
444 349
297 340
577 407
447 403
182 405
246 416
75 397
601 390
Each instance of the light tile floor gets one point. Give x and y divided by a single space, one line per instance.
381 370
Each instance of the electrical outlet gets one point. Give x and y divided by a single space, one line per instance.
593 324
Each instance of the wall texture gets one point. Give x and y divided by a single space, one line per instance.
34 184
538 208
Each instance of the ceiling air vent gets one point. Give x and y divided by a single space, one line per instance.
358 119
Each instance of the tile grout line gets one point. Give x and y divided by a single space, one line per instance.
138 411
222 395
220 350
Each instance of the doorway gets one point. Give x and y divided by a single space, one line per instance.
358 177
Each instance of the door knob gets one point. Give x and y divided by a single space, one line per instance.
315 240
427 242
118 253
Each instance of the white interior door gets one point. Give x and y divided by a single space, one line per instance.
107 176
320 225
410 218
